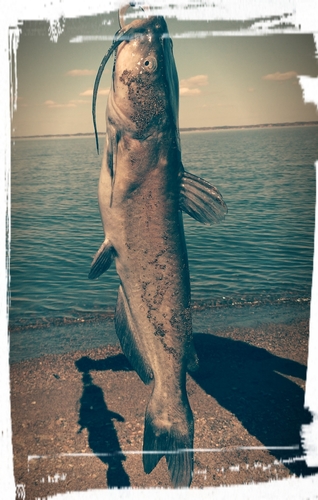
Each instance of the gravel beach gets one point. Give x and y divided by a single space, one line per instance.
77 418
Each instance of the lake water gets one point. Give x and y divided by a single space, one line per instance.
261 254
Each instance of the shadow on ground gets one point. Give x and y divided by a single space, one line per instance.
252 384
246 380
98 420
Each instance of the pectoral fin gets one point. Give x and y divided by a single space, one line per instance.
201 200
102 260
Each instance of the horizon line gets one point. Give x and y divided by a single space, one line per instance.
181 129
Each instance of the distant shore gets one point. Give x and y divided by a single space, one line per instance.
187 129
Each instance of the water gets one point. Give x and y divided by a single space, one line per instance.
262 253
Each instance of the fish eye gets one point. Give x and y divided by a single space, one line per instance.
150 64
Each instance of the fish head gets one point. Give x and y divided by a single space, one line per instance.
145 88
141 52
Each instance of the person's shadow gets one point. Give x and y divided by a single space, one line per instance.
252 384
98 420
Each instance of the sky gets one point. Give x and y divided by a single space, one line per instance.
224 80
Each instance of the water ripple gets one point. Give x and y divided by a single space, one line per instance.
265 244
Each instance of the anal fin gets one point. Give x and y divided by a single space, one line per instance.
102 260
201 200
129 339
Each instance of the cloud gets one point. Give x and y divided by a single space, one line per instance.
189 86
53 104
81 72
89 92
185 91
71 104
194 81
279 77
80 101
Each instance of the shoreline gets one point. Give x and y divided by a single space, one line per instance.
98 331
182 130
108 314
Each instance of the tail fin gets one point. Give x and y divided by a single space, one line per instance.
172 437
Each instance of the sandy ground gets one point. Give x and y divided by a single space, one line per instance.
78 418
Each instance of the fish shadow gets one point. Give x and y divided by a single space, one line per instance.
95 416
251 383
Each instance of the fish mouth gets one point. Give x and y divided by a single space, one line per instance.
122 11
125 34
